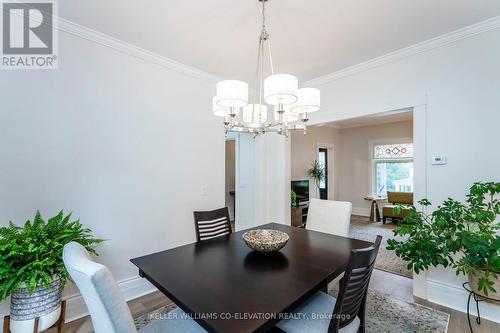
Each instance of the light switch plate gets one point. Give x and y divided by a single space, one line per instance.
438 160
204 190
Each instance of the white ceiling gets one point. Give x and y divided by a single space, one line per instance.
375 119
309 38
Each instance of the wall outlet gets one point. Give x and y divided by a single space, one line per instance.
438 160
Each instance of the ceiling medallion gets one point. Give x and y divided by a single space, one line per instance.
290 105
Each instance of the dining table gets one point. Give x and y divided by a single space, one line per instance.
227 287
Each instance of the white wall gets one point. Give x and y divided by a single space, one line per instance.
459 84
355 169
245 181
276 168
130 147
263 180
304 150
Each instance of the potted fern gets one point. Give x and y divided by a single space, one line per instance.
464 236
32 270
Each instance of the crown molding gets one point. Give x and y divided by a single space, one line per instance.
135 51
116 44
409 51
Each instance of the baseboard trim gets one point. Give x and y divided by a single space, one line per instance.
360 211
455 297
131 288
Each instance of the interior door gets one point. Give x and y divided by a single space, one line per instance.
323 161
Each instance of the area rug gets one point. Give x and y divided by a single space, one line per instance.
384 314
362 228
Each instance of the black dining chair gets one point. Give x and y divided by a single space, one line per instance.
213 223
323 313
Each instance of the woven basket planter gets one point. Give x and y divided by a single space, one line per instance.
43 303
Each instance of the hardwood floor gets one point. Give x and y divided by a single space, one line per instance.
138 307
402 287
396 285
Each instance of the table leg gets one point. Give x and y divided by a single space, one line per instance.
377 212
372 211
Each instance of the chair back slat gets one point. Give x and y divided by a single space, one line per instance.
210 224
351 300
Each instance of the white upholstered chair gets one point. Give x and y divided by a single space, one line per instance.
332 217
108 310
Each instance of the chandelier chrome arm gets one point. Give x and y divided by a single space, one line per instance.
290 104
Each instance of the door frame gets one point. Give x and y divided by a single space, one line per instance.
232 137
330 147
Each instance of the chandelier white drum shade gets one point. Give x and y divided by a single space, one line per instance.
287 116
232 93
221 111
290 105
281 89
308 101
254 115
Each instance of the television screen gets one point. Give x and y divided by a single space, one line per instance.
301 188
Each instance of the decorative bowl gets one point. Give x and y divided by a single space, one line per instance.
265 240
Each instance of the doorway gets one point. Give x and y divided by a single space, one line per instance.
230 178
323 162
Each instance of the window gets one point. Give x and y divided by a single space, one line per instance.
393 168
399 151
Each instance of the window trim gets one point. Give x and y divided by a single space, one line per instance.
372 161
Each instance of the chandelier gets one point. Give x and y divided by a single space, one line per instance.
290 105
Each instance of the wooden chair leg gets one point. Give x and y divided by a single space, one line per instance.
62 318
6 324
35 327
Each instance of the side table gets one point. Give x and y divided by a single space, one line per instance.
374 212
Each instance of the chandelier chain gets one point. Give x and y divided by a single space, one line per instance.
270 56
263 16
259 75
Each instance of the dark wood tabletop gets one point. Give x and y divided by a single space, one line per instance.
229 288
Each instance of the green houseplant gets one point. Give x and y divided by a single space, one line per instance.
461 235
317 173
293 199
31 262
